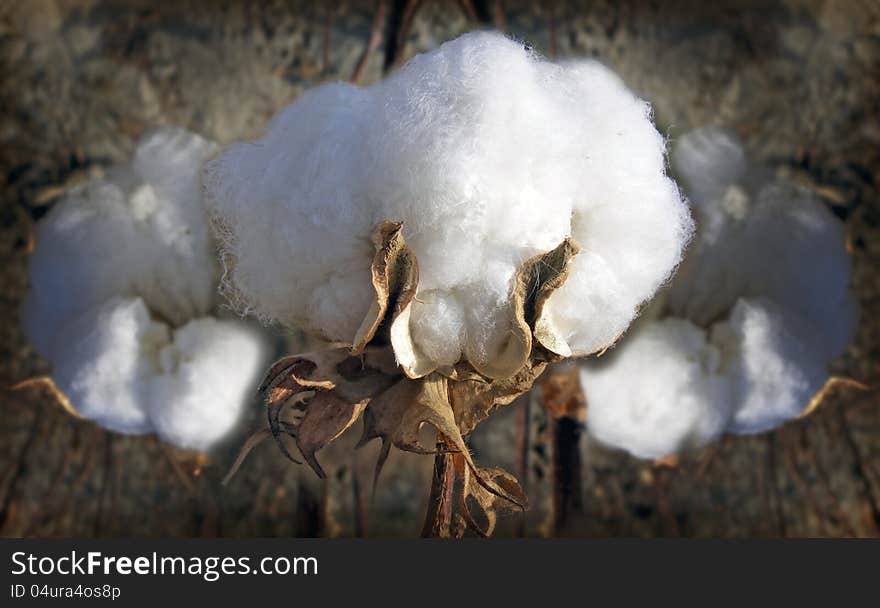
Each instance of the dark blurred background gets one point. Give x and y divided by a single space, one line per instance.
81 79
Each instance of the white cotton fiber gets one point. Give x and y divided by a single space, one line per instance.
776 368
659 393
124 282
764 289
132 374
489 155
141 231
207 375
109 356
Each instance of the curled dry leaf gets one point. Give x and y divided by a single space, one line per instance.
481 507
382 376
832 383
48 383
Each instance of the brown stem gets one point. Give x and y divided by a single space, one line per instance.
523 447
568 493
438 518
566 408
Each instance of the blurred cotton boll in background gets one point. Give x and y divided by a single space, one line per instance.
488 154
743 337
124 296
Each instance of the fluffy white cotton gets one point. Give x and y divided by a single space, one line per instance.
776 366
140 231
132 374
124 282
660 392
206 374
110 354
750 323
488 154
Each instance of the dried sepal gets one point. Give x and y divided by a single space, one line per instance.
384 378
328 391
473 398
46 382
395 277
832 383
534 283
326 418
480 507
398 415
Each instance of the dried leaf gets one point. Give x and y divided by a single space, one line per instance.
481 507
46 382
830 384
473 399
327 417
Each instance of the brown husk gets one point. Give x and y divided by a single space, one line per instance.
384 378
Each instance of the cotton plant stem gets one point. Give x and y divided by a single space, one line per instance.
566 408
439 517
523 447
567 471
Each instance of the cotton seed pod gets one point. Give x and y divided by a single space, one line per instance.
123 302
488 155
742 339
453 228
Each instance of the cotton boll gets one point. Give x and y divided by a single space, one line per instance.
775 367
290 211
140 231
802 263
118 264
759 238
206 378
660 393
587 318
107 361
708 161
767 279
438 327
488 155
132 374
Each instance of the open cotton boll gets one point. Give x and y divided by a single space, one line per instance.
118 265
765 286
206 378
708 161
659 393
109 359
775 368
132 374
489 155
140 231
762 238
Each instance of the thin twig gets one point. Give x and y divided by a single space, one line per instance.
374 42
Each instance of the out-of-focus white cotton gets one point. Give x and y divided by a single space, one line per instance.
123 288
764 290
